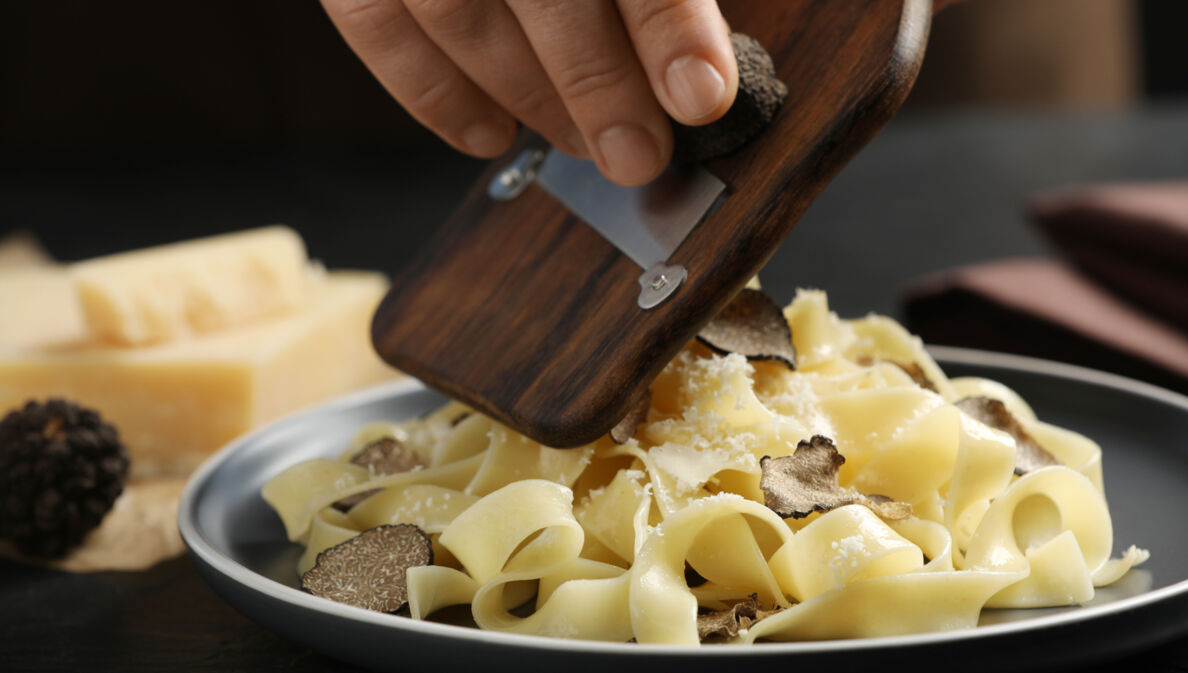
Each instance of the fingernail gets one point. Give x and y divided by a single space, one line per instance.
694 86
630 154
485 139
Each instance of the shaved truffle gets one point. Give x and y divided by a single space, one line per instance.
383 456
806 481
752 325
795 486
368 571
914 370
638 413
888 509
760 95
1029 454
730 621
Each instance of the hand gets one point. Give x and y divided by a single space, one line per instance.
594 77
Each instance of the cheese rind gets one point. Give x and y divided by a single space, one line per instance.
177 402
174 291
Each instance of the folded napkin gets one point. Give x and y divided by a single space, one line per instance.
1116 300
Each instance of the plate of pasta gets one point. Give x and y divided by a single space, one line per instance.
871 503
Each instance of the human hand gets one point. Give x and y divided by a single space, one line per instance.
594 77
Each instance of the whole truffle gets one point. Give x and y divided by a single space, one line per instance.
61 470
760 95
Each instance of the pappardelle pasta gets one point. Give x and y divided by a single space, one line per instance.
654 539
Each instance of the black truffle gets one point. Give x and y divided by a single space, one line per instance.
730 621
638 413
760 95
369 570
795 486
383 456
1029 454
752 325
61 470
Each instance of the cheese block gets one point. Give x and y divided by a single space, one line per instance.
37 298
176 402
38 305
158 294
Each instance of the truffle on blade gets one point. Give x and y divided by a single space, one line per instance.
752 325
368 571
760 95
1029 454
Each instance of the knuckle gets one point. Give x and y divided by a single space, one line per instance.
530 101
457 19
428 99
583 78
664 17
363 18
358 10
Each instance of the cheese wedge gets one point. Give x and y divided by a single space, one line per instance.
176 402
173 291
38 305
37 299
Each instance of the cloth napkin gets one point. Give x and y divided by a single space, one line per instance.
1115 299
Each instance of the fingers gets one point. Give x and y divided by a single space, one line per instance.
595 77
418 74
684 46
485 41
588 56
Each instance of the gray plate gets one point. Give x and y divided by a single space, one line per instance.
239 546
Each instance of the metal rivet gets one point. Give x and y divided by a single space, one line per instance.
658 283
516 176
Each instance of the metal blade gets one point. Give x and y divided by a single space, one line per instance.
647 223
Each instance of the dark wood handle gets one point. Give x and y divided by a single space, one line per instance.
522 311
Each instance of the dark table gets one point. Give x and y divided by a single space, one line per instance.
931 192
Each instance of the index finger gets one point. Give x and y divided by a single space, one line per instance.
684 46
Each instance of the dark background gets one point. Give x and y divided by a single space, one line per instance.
137 122
134 122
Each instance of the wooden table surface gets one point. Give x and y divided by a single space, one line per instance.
931 192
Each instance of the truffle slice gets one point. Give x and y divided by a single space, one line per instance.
730 621
383 456
914 370
806 481
760 95
368 571
888 509
752 325
1029 454
637 414
795 486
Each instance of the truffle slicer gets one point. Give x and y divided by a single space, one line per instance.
522 310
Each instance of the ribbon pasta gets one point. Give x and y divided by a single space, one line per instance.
600 542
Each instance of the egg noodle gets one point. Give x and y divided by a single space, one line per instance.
599 539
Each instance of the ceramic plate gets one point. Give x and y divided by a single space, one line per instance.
239 546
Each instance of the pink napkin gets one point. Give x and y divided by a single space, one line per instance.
1116 301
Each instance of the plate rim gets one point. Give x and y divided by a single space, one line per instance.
203 551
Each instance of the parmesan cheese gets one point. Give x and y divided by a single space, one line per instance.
168 292
176 402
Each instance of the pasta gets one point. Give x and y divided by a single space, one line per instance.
640 540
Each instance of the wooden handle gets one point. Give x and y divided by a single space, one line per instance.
520 310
